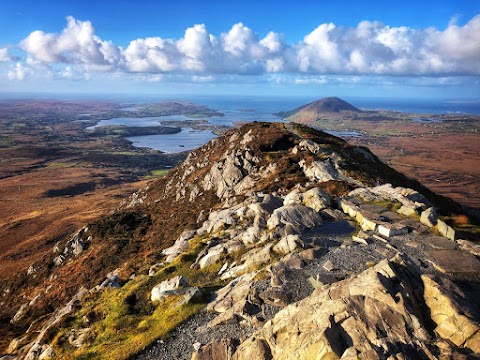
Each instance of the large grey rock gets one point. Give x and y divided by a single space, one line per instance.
173 286
191 294
407 197
287 244
176 249
77 244
317 199
293 198
319 170
78 337
223 176
310 145
221 219
256 257
213 255
295 215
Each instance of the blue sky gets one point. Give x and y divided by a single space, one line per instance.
355 48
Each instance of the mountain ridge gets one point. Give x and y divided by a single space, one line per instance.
254 199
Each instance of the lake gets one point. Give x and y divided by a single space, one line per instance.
187 139
247 109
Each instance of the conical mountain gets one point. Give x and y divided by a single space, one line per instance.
329 106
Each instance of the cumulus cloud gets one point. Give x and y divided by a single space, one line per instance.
76 44
19 72
4 56
370 48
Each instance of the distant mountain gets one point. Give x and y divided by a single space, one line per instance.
312 111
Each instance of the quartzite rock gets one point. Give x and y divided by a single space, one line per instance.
374 313
175 285
455 262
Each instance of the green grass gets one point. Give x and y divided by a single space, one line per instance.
61 164
125 319
157 173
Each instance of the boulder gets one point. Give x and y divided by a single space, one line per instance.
287 244
213 255
407 210
251 235
295 215
292 198
317 199
48 353
191 294
309 145
451 319
389 230
257 257
320 171
232 301
173 286
445 230
429 217
254 348
78 337
176 249
111 281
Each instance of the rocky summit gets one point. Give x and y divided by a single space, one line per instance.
272 241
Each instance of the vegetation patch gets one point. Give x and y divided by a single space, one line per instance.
159 172
123 321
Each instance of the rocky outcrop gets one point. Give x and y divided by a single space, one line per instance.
74 247
387 309
266 225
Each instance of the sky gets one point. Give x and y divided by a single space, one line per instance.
408 49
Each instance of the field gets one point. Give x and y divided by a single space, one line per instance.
443 155
55 176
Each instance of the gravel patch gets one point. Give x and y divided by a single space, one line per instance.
179 345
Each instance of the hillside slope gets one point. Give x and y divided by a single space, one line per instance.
256 231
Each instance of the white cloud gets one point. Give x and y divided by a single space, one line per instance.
4 56
152 54
19 72
370 48
77 44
